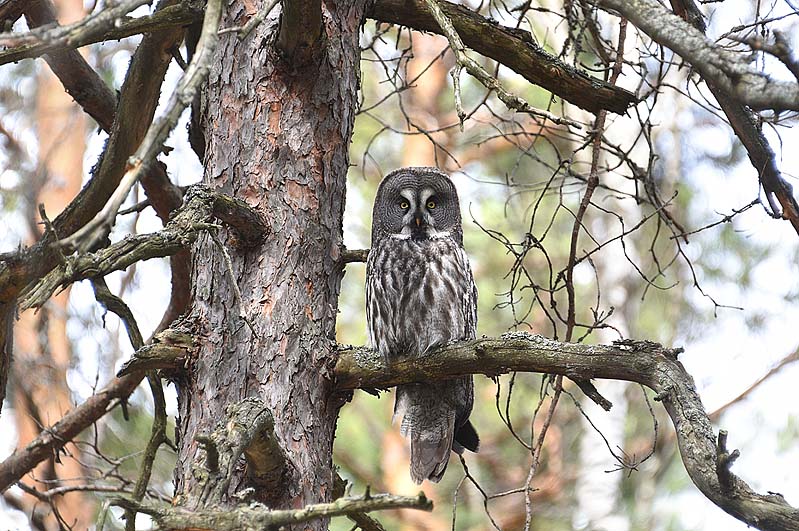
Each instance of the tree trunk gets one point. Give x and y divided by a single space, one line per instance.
277 137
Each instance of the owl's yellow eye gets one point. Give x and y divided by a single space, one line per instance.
431 204
404 205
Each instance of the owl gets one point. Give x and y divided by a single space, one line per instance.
420 294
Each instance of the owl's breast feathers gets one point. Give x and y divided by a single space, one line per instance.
420 295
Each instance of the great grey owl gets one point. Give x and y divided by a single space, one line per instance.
420 294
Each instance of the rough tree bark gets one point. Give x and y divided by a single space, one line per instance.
277 130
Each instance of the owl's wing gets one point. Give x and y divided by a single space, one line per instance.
469 298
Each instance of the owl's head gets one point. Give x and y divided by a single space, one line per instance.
418 203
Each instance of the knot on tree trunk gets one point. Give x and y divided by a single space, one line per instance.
248 430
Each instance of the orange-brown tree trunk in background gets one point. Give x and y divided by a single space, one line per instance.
421 102
42 350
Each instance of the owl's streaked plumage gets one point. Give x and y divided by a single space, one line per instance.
420 294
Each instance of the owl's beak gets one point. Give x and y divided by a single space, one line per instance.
418 221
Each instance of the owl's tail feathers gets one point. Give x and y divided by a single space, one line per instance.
430 426
429 455
466 438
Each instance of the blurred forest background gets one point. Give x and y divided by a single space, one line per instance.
726 293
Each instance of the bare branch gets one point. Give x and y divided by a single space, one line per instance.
53 36
354 255
167 355
71 424
728 70
53 438
171 18
779 49
138 99
745 125
195 217
247 429
478 72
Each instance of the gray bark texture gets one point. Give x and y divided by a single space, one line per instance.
277 133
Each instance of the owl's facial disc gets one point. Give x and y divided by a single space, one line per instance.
418 222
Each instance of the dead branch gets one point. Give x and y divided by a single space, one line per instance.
138 99
116 305
100 102
354 255
643 362
168 356
744 123
54 437
462 60
248 429
79 79
52 38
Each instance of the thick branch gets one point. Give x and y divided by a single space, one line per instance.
513 48
79 79
171 17
158 356
642 362
10 11
53 38
354 255
152 142
730 71
256 517
138 99
462 60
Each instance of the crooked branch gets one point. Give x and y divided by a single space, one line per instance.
744 123
98 229
462 60
248 429
56 36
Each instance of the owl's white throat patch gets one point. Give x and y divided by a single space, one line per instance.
431 233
